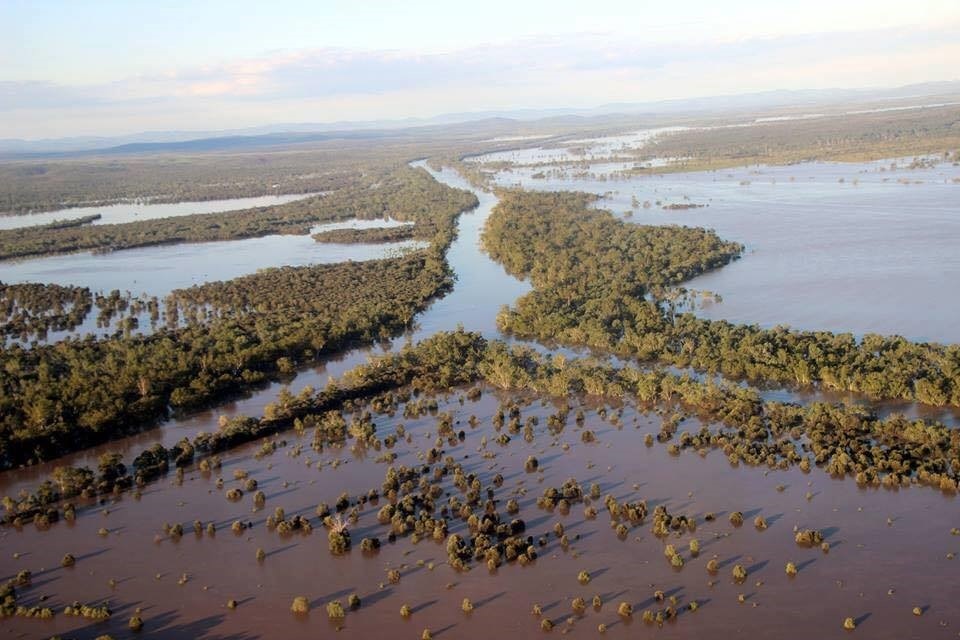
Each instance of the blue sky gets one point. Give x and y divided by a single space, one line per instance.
110 67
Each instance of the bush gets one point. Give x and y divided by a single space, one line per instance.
300 605
335 610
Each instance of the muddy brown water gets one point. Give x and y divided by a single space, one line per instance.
868 555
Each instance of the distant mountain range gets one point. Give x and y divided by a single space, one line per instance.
295 133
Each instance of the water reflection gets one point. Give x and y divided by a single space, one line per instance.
136 211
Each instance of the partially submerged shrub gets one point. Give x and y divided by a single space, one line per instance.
335 610
579 605
808 537
300 605
739 573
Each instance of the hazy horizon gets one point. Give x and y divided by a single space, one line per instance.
116 68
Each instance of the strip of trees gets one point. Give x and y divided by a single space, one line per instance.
606 284
843 440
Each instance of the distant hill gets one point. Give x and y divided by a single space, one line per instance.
284 134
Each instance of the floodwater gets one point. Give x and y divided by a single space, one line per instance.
158 270
858 248
874 534
135 211
576 150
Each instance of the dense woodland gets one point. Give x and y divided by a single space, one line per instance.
75 393
373 236
600 282
403 194
843 440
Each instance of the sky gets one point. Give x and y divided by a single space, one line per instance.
105 67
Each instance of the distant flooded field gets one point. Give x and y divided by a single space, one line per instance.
134 211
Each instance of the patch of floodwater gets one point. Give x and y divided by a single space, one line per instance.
156 271
859 247
518 138
593 149
136 211
360 224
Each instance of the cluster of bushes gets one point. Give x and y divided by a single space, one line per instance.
38 308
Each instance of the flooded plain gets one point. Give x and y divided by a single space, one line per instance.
888 549
136 211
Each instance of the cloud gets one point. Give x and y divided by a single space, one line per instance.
545 71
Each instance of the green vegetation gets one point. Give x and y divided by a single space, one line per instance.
37 308
404 194
592 275
375 235
843 440
66 396
31 186
847 138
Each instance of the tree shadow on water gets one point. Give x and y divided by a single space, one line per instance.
165 626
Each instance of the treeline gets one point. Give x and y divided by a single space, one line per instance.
62 397
843 440
591 275
31 186
403 194
377 235
848 138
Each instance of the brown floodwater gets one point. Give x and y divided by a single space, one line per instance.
880 540
869 556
